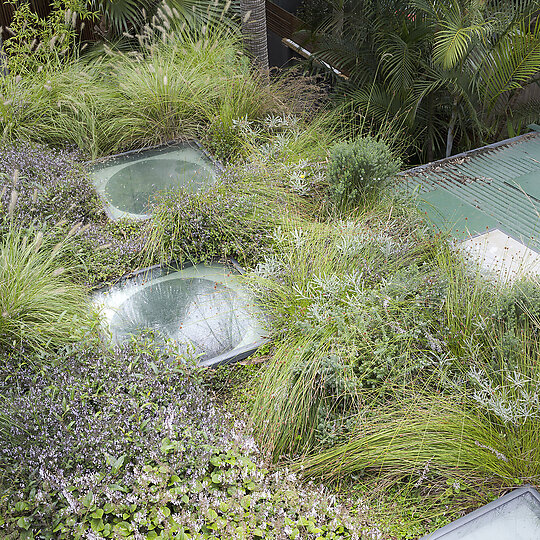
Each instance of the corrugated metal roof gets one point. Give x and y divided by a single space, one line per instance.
497 186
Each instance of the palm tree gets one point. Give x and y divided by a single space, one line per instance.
122 16
450 71
254 30
483 54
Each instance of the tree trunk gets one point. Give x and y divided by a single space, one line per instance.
451 126
254 32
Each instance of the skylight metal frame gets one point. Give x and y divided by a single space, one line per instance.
171 143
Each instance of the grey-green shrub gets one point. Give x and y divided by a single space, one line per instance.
359 170
519 306
516 311
352 309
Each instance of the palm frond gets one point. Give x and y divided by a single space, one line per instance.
508 14
190 11
429 7
453 42
514 62
124 15
521 115
399 62
377 103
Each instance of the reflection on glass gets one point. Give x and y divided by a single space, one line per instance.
516 519
205 318
132 188
129 182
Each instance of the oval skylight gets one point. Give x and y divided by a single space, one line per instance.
129 182
203 309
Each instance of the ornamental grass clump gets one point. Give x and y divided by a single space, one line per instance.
207 225
486 430
452 439
40 308
233 218
61 105
360 170
480 426
353 308
176 84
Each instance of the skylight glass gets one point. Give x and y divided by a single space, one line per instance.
203 309
129 182
502 256
515 516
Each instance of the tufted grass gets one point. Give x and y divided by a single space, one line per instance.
176 85
40 308
485 431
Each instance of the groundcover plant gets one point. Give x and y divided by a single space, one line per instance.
125 444
395 375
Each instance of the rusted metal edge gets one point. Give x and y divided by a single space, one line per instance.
469 154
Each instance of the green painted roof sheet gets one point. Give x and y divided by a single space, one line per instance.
449 213
497 186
